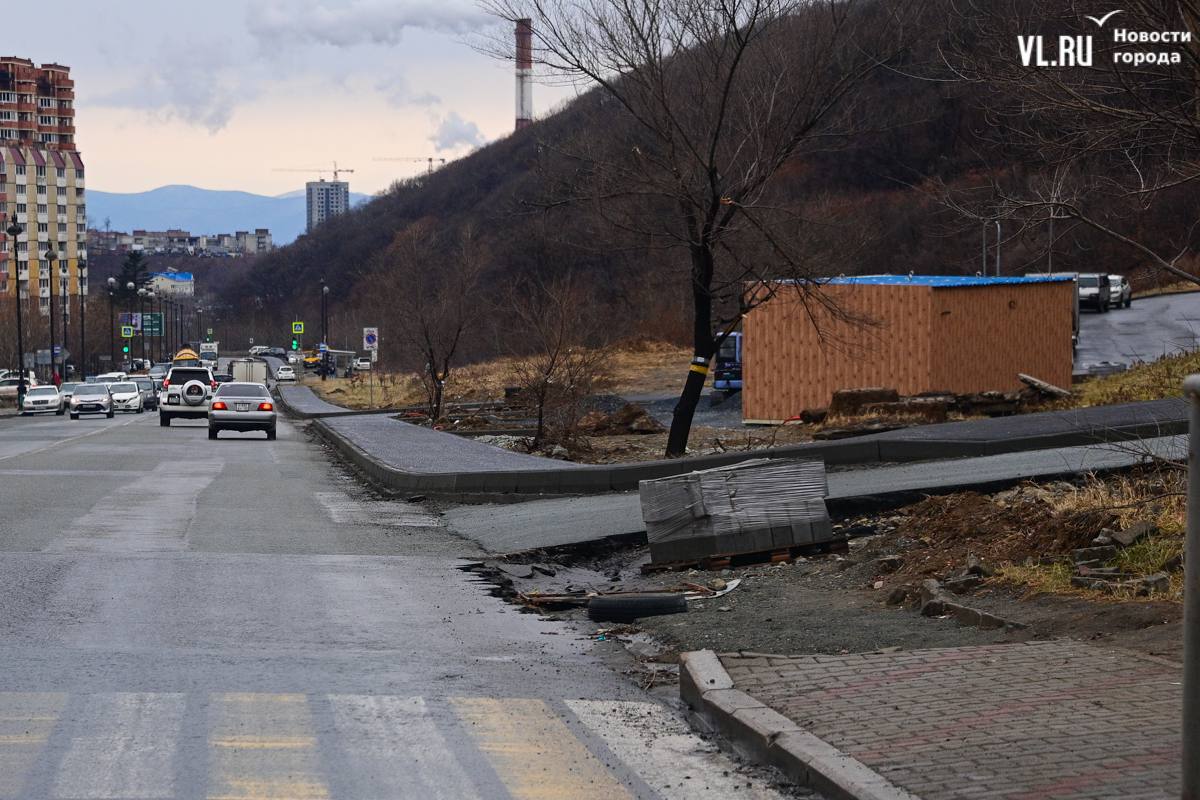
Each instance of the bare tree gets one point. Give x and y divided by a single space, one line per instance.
1119 131
564 363
716 98
429 296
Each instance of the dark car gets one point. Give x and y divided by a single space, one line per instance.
149 390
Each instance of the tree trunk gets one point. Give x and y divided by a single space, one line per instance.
702 352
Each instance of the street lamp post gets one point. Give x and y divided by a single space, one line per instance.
65 297
325 330
143 293
51 256
14 230
112 324
82 323
130 287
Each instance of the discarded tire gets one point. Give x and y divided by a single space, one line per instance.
628 607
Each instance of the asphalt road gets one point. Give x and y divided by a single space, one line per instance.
1149 329
182 618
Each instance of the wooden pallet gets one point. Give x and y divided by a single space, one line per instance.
781 555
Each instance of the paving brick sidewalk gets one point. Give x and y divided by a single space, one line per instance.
1057 719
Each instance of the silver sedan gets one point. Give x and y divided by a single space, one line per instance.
241 406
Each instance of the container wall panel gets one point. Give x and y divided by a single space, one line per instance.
798 352
916 339
985 335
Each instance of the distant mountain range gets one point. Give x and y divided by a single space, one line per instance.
201 211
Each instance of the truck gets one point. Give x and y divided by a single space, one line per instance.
249 370
208 350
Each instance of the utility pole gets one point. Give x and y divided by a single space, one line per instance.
63 280
50 258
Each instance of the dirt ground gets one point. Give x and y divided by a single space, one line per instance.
838 603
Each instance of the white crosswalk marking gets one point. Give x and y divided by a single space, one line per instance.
657 745
125 748
396 749
122 746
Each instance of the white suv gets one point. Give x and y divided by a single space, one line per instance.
186 394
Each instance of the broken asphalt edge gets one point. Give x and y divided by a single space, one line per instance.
765 736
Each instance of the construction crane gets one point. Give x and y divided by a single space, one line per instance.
336 169
428 160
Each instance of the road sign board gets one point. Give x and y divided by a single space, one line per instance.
210 331
153 323
322 347
370 338
133 320
297 327
126 331
375 355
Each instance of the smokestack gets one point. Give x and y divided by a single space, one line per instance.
524 73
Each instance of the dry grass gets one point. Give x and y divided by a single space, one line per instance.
637 367
1153 381
1156 497
1181 287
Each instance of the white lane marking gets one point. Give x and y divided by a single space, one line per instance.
127 749
67 440
669 757
396 749
346 510
152 513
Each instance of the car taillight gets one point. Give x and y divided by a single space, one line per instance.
220 406
266 407
166 383
212 385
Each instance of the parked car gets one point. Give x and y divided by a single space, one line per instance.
8 386
187 391
362 364
126 396
285 373
42 400
1095 291
241 407
1121 292
149 391
91 398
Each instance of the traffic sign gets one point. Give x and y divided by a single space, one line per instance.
210 331
370 338
126 331
297 328
322 347
132 319
152 323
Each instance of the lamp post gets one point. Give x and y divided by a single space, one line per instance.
112 324
130 287
14 230
51 256
82 321
143 293
324 330
63 281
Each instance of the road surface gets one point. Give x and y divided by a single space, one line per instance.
1149 329
182 618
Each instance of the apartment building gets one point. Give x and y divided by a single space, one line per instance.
326 199
177 242
173 283
41 182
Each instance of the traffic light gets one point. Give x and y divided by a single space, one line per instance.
295 344
125 349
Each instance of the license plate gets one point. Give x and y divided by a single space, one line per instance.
172 401
243 406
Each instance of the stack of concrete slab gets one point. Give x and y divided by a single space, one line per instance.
755 506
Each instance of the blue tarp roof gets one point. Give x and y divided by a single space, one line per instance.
174 276
943 281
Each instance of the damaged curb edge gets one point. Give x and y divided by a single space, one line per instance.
760 733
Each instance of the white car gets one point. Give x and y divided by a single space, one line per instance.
112 377
126 396
187 392
285 373
362 364
42 400
294 358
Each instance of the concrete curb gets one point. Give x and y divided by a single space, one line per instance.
762 734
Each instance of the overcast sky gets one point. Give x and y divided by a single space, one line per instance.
221 92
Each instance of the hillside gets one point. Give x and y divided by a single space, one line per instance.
864 199
201 211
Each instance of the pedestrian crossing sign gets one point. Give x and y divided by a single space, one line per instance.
297 328
126 331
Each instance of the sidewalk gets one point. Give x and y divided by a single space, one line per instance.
1060 719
